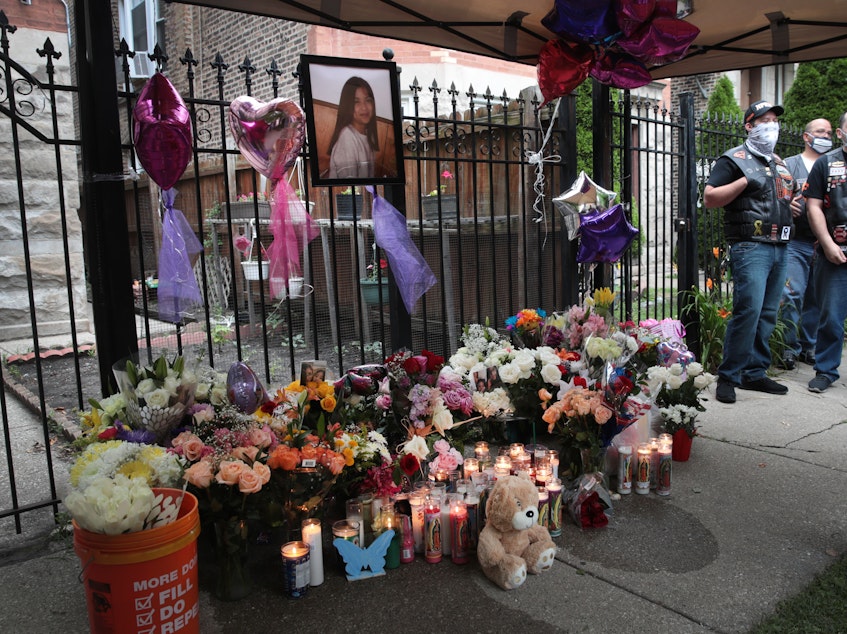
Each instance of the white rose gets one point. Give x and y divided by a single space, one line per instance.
144 386
546 355
158 398
675 382
703 381
676 369
113 404
524 359
551 374
172 384
201 392
442 419
510 373
417 447
695 369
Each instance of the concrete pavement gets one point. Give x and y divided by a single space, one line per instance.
755 514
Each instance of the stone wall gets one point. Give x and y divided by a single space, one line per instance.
41 200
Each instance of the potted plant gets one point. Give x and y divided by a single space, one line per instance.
344 203
677 392
439 195
243 206
252 260
376 276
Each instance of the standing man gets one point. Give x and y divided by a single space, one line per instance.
799 303
756 191
826 205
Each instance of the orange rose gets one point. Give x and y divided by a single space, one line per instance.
249 482
229 472
309 452
284 457
199 474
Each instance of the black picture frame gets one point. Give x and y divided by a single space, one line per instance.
324 80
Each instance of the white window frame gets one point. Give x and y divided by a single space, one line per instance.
140 66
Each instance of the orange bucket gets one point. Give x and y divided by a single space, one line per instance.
145 581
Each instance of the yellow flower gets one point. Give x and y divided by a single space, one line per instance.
604 297
325 389
328 403
137 469
348 456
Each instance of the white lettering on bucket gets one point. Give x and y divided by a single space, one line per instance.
167 611
174 593
155 582
189 566
181 621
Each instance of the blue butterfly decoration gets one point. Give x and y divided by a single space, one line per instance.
357 559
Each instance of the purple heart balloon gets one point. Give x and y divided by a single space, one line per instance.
660 41
269 135
605 237
162 131
620 70
244 389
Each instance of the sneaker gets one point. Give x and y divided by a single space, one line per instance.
788 361
764 384
725 392
820 383
807 357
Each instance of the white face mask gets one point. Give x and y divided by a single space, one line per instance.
821 144
762 138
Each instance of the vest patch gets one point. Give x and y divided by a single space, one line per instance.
740 154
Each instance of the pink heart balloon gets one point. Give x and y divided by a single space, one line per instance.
162 131
269 135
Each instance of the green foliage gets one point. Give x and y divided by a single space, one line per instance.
212 213
713 313
722 103
816 93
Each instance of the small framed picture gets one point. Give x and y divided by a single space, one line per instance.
353 121
313 371
493 378
480 381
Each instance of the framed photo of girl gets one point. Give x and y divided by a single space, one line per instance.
353 121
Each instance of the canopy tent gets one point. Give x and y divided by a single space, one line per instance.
733 35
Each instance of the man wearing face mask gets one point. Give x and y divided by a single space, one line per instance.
756 191
799 304
826 206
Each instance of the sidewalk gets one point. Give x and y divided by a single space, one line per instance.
755 514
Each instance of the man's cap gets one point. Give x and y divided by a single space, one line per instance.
759 108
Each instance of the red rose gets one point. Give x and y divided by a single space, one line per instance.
409 464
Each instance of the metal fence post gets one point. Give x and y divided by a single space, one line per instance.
686 223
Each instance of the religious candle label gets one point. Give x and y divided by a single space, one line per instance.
555 512
543 508
663 486
625 470
642 484
432 535
459 526
171 599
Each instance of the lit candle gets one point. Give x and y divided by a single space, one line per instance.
464 486
539 453
654 462
554 491
296 569
515 449
432 530
666 439
416 500
312 536
642 481
663 486
481 450
471 466
459 532
624 469
542 474
553 455
354 513
349 531
388 522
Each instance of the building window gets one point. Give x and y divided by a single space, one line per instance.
141 27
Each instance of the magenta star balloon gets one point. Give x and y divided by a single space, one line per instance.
162 131
269 135
605 237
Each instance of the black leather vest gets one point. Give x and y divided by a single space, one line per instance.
802 230
835 198
763 210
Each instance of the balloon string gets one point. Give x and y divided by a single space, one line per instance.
538 159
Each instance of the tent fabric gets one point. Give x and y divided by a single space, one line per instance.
732 36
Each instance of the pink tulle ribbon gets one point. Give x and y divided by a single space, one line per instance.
292 229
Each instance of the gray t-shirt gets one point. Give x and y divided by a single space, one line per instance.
352 156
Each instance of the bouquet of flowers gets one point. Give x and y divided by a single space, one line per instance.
157 396
677 392
112 487
368 461
363 396
527 326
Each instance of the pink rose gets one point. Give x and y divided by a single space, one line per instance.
441 446
263 471
229 472
247 454
193 448
249 481
383 402
262 438
199 474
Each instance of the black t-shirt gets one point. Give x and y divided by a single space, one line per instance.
724 171
816 183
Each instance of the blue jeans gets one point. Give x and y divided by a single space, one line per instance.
758 276
831 285
799 303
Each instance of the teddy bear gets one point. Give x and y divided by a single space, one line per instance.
512 542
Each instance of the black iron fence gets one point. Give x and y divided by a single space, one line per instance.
471 210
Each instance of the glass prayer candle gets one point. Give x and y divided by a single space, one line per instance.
471 466
539 453
481 450
472 504
416 501
624 469
295 569
354 513
312 535
502 466
521 462
440 475
543 507
515 449
459 542
388 522
666 439
452 478
367 500
642 480
479 480
464 486
445 523
663 484
407 545
432 530
554 491
349 531
654 462
542 474
553 456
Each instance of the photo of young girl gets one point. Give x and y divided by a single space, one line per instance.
354 141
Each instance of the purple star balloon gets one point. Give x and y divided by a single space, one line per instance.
605 237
